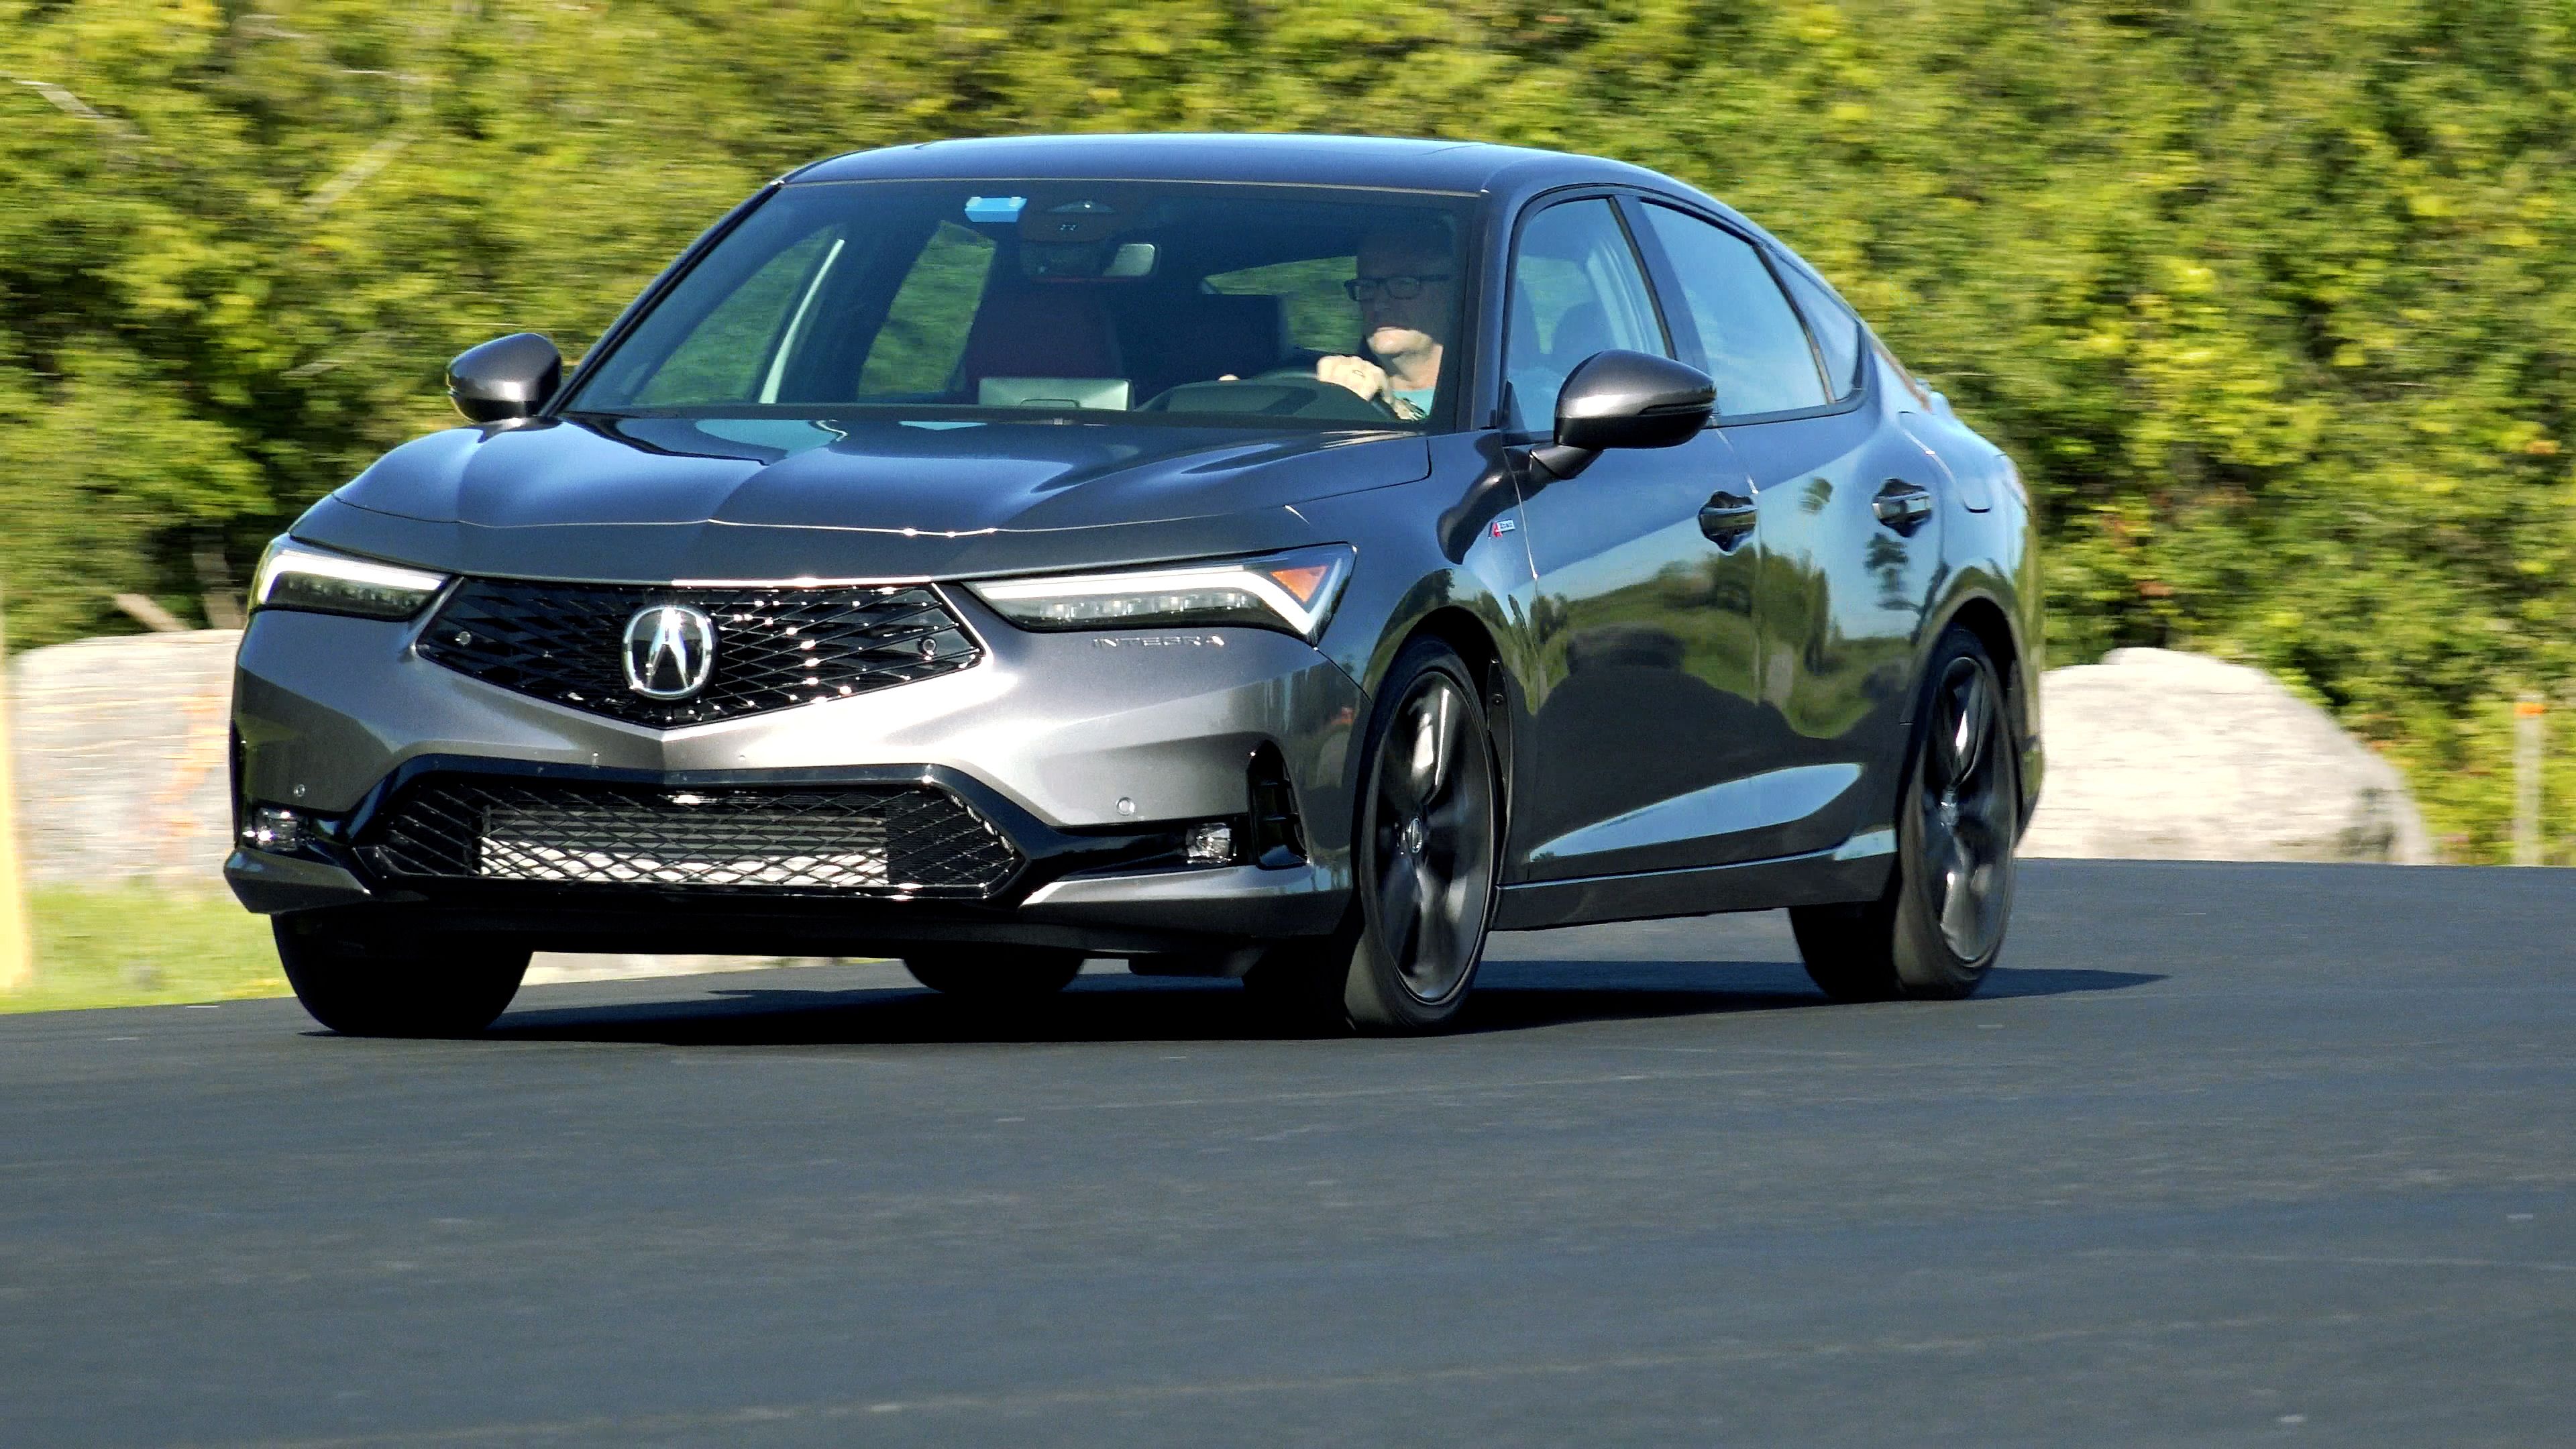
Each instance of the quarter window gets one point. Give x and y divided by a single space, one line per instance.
1837 331
1576 290
1749 339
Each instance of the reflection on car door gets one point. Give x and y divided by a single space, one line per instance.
1642 622
1847 540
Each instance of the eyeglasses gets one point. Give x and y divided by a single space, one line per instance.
1402 289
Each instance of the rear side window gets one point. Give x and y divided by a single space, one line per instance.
1750 340
1576 290
1836 330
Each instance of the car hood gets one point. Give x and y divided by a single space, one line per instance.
656 499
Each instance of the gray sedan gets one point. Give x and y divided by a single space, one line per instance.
1279 558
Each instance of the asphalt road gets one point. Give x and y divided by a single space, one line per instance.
2224 1154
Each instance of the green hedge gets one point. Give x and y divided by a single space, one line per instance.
2274 299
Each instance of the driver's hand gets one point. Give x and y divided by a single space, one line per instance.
1356 373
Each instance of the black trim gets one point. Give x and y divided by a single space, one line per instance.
1814 878
1278 837
1049 853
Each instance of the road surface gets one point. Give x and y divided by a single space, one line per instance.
2224 1154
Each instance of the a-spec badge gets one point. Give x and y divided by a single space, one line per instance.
670 651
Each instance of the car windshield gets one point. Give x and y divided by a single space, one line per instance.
1151 301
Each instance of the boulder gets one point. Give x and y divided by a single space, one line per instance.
119 747
2156 754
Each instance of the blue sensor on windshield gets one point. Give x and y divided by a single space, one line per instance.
994 208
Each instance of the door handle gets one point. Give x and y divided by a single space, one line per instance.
1727 517
1902 506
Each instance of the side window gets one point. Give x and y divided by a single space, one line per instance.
1837 331
1576 290
1750 340
924 336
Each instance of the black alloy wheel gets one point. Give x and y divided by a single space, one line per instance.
1424 857
368 979
997 975
1940 925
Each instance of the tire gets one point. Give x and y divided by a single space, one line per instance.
368 980
1427 837
1939 927
999 974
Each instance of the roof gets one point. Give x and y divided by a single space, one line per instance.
1417 165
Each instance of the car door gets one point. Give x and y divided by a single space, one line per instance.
1642 626
1845 532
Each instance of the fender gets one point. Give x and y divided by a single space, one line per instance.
2001 585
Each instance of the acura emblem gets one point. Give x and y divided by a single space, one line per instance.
670 651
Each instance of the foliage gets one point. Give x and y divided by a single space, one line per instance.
137 946
2275 300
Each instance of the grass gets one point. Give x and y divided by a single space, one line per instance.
137 946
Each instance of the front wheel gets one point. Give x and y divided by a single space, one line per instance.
996 975
368 980
1940 925
1428 835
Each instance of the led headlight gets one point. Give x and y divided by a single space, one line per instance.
1292 592
298 576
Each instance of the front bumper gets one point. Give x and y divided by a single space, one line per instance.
1088 752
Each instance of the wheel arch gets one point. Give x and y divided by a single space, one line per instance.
1474 641
1988 618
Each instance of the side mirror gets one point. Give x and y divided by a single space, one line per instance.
508 377
1620 399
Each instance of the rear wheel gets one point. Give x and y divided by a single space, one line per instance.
1423 857
369 980
1941 923
996 974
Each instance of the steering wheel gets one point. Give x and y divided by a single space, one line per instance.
1282 392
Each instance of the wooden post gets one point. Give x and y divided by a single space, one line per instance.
2526 779
17 945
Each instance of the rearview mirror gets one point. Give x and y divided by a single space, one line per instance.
508 377
1621 399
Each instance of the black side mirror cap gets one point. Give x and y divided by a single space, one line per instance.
1621 399
508 377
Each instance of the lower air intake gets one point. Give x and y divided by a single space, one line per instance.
882 840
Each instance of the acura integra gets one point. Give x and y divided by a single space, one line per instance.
1279 558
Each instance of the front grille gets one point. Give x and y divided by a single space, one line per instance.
775 647
837 839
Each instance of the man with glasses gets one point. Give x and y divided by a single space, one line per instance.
1407 293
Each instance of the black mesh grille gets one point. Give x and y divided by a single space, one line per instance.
775 647
857 839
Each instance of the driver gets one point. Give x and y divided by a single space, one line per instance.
1406 288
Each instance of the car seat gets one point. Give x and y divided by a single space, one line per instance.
1061 331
